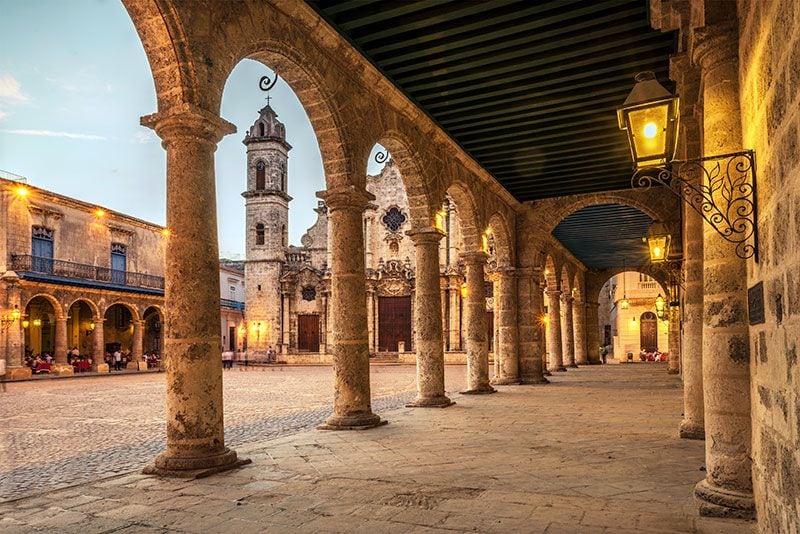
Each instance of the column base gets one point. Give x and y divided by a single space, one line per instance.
482 390
559 369
573 366
691 430
358 421
16 373
100 368
547 372
62 369
441 401
719 502
534 381
673 371
196 467
592 362
505 381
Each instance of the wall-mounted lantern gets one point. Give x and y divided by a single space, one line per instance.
661 307
721 188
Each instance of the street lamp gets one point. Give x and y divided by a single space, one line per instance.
9 318
661 307
650 117
658 241
721 188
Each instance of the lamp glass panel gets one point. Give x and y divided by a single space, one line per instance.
648 130
658 247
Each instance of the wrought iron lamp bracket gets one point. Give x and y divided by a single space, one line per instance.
722 189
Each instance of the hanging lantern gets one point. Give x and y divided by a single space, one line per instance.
658 241
25 323
650 117
464 291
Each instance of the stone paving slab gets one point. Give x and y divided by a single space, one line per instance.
595 451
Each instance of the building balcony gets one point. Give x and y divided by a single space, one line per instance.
231 304
82 274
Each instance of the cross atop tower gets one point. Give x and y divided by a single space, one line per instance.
268 98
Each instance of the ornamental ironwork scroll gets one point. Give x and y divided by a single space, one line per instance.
266 83
722 189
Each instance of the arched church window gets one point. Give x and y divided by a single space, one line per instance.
393 219
284 236
259 234
261 176
261 129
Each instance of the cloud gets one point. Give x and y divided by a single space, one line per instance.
143 137
11 90
3 114
50 133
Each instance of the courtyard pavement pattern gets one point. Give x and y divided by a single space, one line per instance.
594 451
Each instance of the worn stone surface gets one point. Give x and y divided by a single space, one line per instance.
496 464
475 324
554 330
567 331
507 342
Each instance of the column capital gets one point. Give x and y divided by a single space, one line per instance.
507 271
567 298
715 45
476 257
346 197
426 235
553 293
188 121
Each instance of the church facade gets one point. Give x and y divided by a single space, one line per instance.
288 287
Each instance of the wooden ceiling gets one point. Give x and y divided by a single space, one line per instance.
528 88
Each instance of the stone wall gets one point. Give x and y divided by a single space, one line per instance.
769 56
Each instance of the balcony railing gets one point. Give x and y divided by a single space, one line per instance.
232 304
83 271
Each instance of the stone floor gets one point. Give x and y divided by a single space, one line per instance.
595 451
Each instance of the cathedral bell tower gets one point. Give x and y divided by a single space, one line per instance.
267 224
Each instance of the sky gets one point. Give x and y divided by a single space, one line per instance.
74 81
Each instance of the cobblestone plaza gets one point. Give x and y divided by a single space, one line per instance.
503 463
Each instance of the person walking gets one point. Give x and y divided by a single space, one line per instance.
604 353
117 360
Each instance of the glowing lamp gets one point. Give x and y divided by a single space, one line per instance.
100 213
91 325
464 291
624 304
661 306
15 314
440 218
545 319
650 118
21 191
658 241
633 322
25 323
37 322
166 232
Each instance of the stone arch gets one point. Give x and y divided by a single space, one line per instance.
166 47
92 306
54 302
468 217
602 278
410 163
130 307
156 307
503 239
551 271
308 85
573 204
567 277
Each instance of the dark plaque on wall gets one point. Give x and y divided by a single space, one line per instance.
755 303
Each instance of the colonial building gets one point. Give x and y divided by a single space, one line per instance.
81 276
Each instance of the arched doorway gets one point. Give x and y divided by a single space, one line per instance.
648 332
153 337
39 323
80 328
118 331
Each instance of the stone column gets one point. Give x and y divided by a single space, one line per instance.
99 364
568 332
286 323
475 324
195 428
579 331
371 317
60 346
323 328
349 343
138 342
454 329
506 348
692 425
428 320
727 489
15 335
593 333
554 330
674 340
443 304
531 348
